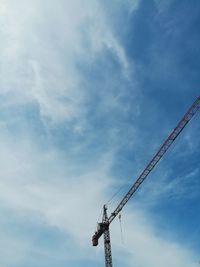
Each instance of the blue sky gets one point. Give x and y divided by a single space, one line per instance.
88 92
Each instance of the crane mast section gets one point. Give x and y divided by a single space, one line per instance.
107 243
164 147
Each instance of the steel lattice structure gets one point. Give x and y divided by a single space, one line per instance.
103 228
107 244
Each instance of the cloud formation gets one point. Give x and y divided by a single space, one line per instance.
70 102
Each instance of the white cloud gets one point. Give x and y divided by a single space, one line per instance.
145 246
42 44
45 186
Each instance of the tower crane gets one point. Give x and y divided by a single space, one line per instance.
103 226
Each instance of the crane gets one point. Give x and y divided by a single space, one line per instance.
103 226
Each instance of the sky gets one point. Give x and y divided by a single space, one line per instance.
88 92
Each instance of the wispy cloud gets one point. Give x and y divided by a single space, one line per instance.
144 245
70 103
41 53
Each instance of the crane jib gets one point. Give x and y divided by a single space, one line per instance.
161 151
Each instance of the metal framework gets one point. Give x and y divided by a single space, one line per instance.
103 228
107 244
